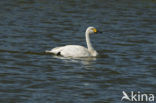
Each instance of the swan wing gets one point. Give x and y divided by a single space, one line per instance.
75 51
70 51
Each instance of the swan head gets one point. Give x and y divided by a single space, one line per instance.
91 30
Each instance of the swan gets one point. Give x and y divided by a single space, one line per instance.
77 50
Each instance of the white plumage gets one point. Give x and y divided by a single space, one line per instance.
77 50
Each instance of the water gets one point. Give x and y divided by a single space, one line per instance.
127 49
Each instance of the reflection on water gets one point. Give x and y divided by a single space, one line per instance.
83 61
126 47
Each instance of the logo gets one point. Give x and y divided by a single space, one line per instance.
140 97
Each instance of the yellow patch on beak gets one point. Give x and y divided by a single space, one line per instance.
94 30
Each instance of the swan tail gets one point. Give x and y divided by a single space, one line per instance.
55 51
48 51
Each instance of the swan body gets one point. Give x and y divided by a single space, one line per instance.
77 50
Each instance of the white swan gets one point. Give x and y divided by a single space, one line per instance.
77 50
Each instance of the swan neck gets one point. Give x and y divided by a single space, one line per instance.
89 45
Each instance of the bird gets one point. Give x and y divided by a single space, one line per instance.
77 51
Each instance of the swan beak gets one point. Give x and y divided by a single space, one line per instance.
94 30
99 32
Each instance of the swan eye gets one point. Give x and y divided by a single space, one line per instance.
94 30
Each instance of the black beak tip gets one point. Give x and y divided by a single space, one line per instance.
99 32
